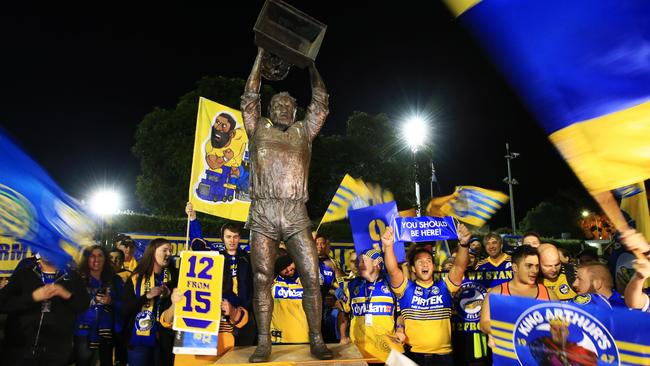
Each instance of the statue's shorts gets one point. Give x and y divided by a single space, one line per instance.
277 219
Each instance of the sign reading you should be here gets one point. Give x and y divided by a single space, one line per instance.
424 228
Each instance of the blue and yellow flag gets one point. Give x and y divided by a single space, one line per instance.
471 205
442 253
354 194
582 68
35 211
635 203
220 168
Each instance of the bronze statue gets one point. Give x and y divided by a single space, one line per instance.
280 153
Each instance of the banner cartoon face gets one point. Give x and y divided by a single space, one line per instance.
220 168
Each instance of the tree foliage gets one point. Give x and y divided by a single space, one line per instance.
560 214
370 150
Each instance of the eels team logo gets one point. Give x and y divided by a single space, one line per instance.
17 216
468 301
564 289
557 334
143 321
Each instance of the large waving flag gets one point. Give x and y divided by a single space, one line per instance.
471 205
354 194
634 201
220 171
582 68
35 211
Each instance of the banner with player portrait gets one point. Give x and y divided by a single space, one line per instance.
220 168
531 332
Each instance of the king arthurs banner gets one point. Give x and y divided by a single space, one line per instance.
532 332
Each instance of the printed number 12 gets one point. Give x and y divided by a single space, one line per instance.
209 263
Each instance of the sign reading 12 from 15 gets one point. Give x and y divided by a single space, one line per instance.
200 281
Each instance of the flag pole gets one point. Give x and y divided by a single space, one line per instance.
187 233
633 241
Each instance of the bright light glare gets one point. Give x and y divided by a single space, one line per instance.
585 213
105 202
415 132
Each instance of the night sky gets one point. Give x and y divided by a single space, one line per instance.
77 81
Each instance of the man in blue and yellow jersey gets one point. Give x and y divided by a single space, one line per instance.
426 304
497 266
595 285
556 276
372 306
328 271
288 322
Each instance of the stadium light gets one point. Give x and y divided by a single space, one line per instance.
414 132
105 202
585 213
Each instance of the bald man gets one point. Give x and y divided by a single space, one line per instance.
594 285
555 275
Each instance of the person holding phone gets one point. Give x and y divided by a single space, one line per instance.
94 327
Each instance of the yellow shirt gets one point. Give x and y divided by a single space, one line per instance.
561 286
130 265
237 145
288 322
372 311
427 314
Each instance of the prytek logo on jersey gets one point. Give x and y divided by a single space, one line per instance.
468 301
288 293
551 334
360 309
424 303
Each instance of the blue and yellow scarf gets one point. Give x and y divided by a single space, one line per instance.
145 329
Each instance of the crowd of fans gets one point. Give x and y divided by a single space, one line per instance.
112 309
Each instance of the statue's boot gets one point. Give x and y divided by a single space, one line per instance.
318 348
263 351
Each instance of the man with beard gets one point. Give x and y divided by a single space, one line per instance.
594 285
280 153
226 145
556 276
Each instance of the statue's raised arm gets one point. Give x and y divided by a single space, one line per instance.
317 110
250 102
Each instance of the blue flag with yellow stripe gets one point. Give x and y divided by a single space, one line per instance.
354 194
35 211
469 204
582 68
532 332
